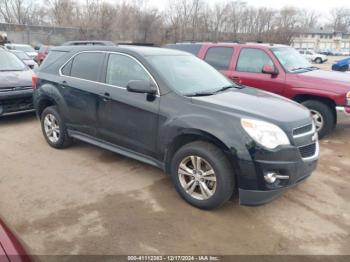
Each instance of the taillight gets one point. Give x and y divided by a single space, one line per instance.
34 81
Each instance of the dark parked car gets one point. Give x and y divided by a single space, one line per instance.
15 85
172 110
26 59
282 70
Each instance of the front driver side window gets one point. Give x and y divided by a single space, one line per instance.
123 69
253 60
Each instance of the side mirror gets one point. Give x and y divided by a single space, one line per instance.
141 86
270 70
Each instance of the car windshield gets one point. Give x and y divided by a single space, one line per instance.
22 55
292 60
10 62
24 48
189 76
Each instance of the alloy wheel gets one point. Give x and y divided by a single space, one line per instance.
318 119
197 177
52 129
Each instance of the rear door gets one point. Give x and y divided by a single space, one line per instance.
127 119
248 71
81 86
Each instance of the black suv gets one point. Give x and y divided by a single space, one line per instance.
170 109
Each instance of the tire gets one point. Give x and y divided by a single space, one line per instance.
61 139
323 112
318 60
211 157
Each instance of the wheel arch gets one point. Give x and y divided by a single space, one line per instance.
194 135
44 103
300 98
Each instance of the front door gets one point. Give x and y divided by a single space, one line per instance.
249 69
127 119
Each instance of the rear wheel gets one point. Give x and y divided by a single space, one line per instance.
202 175
323 116
54 129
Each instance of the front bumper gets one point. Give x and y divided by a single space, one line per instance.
16 101
342 110
290 165
300 173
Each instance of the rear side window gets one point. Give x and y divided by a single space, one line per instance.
253 60
219 57
86 66
189 48
122 69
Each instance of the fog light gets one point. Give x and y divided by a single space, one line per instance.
270 177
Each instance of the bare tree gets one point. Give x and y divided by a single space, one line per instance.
340 19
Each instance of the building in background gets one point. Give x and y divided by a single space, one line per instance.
320 39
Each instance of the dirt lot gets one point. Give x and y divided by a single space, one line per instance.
85 200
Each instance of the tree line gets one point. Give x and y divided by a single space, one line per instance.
180 20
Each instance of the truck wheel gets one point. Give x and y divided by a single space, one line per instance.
318 60
54 129
202 175
323 116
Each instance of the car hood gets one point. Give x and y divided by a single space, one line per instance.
12 79
336 82
257 104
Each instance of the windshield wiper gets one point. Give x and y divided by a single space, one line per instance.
213 92
309 68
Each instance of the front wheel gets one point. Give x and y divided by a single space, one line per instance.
318 60
202 175
323 116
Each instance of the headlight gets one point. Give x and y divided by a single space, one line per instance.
348 99
264 133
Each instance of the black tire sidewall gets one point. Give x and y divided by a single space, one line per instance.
61 141
318 60
221 166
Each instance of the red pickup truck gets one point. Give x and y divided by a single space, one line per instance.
282 70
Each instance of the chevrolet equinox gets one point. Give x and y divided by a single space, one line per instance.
170 109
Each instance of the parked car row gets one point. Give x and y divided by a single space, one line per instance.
313 57
213 134
335 52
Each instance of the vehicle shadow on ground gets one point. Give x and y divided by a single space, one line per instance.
27 117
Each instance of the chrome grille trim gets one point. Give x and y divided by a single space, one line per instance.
311 132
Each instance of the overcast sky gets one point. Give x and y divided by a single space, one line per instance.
323 6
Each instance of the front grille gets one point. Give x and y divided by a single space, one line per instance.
308 151
302 130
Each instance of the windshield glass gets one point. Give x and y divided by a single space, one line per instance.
24 48
187 74
22 55
10 62
291 60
